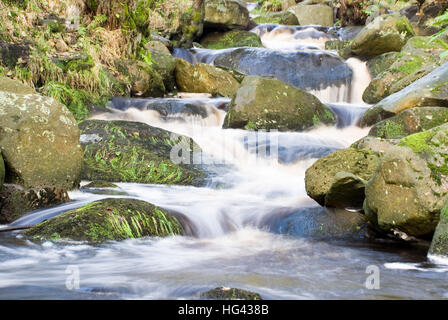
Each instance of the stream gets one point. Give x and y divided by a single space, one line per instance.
237 221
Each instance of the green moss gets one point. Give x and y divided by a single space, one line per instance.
390 130
231 39
418 142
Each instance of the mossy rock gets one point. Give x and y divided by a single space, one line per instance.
313 14
109 219
231 39
125 151
385 33
439 244
284 18
381 63
410 121
204 78
164 64
319 178
264 103
17 201
225 14
15 86
75 63
410 187
99 185
11 53
223 293
346 191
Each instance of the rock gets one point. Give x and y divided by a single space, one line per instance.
346 191
286 4
157 45
109 219
377 145
125 151
263 103
2 171
164 64
315 14
204 78
307 70
225 14
408 190
284 18
381 63
419 56
15 86
11 54
320 176
61 46
439 244
99 185
144 80
410 121
223 293
15 201
39 141
384 34
322 223
431 90
231 39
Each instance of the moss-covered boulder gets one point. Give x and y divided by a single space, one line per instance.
381 63
223 293
164 64
145 81
346 191
410 187
315 14
11 54
15 86
39 141
99 184
419 56
125 151
384 34
109 219
439 243
2 171
263 103
410 121
431 90
320 176
225 14
284 18
231 39
16 201
204 78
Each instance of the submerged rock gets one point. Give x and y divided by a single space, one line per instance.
419 56
225 14
223 293
15 201
409 188
39 140
263 103
410 121
204 78
431 90
439 244
109 219
320 176
231 39
384 34
313 14
125 151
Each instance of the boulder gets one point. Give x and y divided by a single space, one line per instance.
15 86
313 14
231 39
410 187
263 103
39 141
439 243
144 80
381 63
284 18
419 56
99 184
12 54
15 201
320 176
109 219
204 78
164 64
346 191
410 121
125 151
223 293
225 14
384 34
431 90
158 45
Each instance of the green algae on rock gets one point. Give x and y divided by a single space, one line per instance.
263 103
109 219
231 39
126 151
223 293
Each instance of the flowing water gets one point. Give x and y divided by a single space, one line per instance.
236 223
